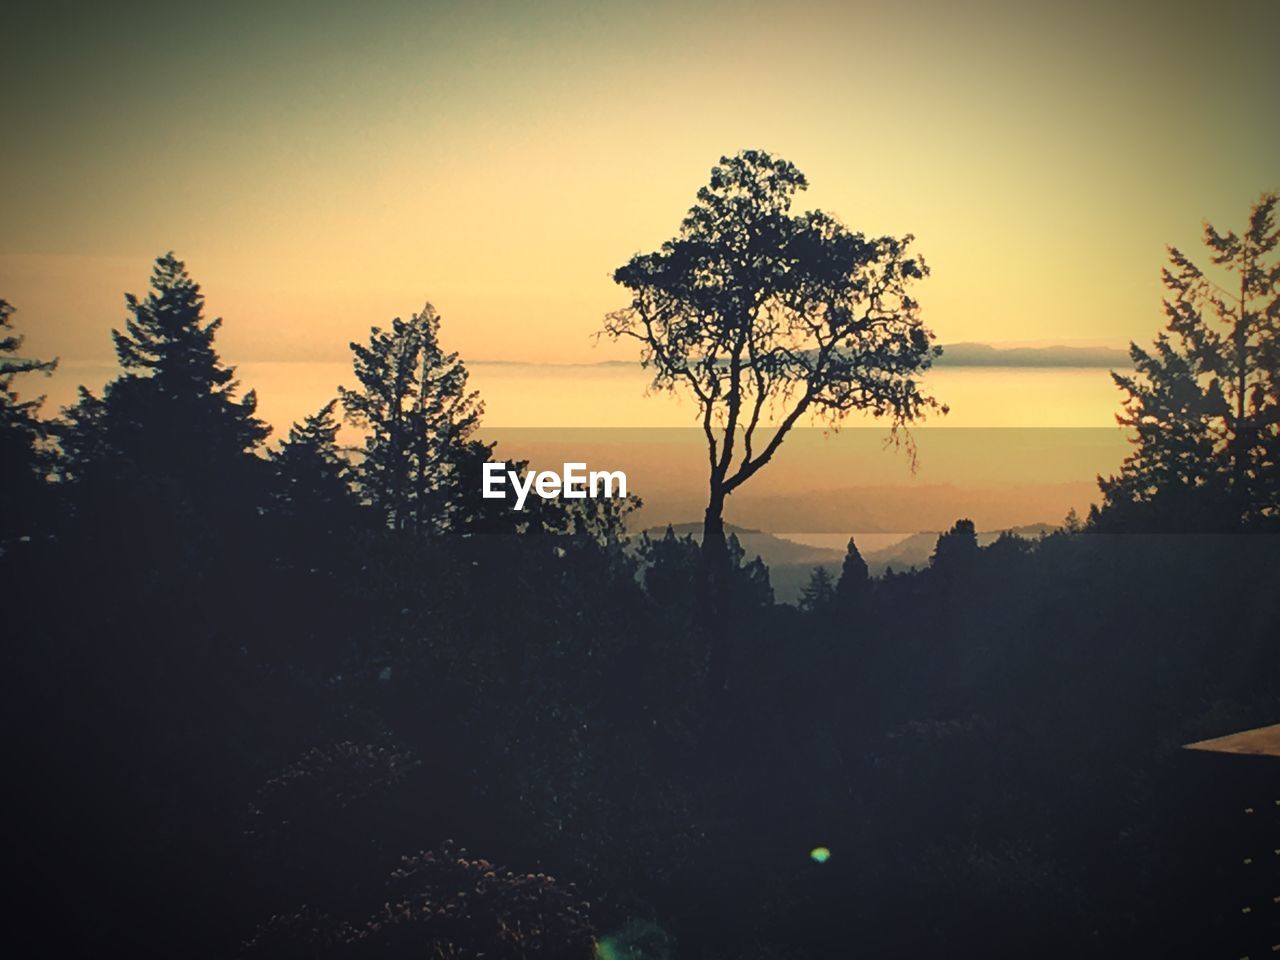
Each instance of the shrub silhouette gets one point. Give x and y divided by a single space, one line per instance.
444 904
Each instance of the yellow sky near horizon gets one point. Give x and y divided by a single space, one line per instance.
324 167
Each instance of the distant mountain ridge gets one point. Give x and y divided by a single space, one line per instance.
986 355
965 354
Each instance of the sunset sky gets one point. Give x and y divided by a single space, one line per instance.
324 167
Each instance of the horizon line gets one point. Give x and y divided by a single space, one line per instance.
965 353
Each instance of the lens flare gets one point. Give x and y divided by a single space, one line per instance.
819 854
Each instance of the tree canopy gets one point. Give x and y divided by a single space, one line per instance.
173 408
23 458
1204 403
763 316
413 401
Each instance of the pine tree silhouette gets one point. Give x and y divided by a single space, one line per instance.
414 402
24 461
855 577
172 414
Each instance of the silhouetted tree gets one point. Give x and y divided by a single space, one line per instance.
759 313
855 577
24 462
762 317
670 568
1008 547
819 593
747 586
956 548
1171 477
313 500
1072 523
414 402
1205 404
670 565
313 478
172 413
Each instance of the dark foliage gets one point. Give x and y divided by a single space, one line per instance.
1205 404
239 694
419 416
763 316
445 905
24 456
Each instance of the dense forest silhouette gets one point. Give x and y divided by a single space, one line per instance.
296 700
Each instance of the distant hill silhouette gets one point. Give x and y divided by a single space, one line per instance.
773 550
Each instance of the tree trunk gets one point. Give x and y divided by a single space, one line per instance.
713 538
713 594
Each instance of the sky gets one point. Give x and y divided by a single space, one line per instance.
325 167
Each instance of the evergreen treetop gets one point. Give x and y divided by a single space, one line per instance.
419 417
172 412
854 574
1204 403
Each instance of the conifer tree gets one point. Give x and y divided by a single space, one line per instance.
819 592
23 460
1171 476
313 478
1072 523
172 413
855 577
748 586
670 567
419 416
1204 405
